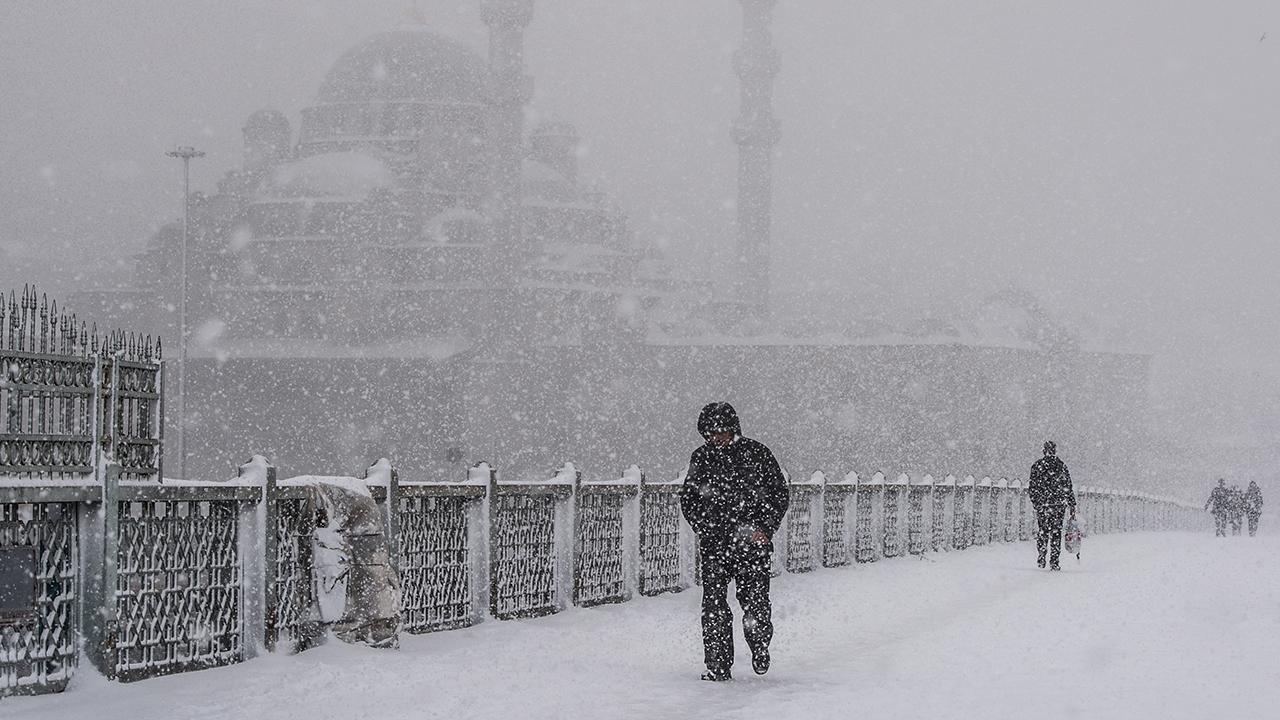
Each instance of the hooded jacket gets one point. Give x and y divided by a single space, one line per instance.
734 490
1051 483
1253 499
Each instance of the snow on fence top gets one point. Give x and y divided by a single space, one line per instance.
925 481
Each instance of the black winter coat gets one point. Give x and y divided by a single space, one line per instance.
732 491
1219 499
1051 483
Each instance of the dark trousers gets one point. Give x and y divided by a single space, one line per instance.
748 567
1049 531
1237 520
1253 523
1220 524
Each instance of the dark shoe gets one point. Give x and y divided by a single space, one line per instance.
760 661
717 675
1054 567
1040 563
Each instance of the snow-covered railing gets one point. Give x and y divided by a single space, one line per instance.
666 542
69 398
184 575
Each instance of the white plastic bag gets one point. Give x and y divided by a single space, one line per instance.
1071 537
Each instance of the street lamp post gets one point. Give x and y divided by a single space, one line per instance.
185 153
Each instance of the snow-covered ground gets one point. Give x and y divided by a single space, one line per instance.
1152 625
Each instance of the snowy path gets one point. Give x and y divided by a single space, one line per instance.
1156 625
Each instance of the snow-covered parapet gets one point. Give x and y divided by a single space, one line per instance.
925 481
632 474
902 480
818 478
985 482
876 480
814 478
379 474
1015 484
968 481
850 478
948 481
1002 483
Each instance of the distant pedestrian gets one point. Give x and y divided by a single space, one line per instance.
1219 503
1051 494
1235 509
1253 506
734 498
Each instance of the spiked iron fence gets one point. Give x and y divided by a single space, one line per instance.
69 396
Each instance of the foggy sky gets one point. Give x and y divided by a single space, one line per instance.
1117 159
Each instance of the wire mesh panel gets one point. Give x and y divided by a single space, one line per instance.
1024 522
938 537
659 541
436 561
598 549
178 587
38 645
865 549
801 553
1009 522
981 525
296 622
524 555
892 522
835 531
962 531
917 540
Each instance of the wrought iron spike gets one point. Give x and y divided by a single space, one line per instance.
159 349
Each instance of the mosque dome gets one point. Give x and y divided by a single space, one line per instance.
401 65
267 120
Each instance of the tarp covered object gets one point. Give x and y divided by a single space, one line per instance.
358 589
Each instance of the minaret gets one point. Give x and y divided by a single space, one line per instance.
509 90
756 132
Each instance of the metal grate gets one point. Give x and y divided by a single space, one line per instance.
800 550
915 521
437 586
938 531
835 545
524 555
962 529
892 535
295 620
864 530
659 542
178 587
598 553
38 651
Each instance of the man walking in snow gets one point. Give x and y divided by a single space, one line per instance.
734 498
1051 494
1218 502
1235 509
1253 506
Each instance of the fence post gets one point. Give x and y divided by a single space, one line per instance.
633 475
255 546
270 561
106 608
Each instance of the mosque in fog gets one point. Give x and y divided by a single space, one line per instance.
411 272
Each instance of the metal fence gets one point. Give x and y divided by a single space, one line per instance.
203 574
67 393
